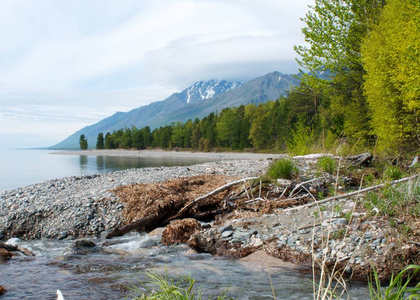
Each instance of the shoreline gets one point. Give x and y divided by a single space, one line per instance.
177 154
83 206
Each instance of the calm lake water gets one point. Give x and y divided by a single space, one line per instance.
24 167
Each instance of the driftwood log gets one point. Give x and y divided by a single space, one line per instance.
13 248
153 221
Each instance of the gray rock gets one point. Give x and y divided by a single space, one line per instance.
227 227
226 234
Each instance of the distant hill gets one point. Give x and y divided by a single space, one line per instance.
196 101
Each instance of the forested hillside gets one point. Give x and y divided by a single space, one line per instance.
362 88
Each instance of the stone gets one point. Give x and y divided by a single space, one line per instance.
227 227
150 241
258 242
226 234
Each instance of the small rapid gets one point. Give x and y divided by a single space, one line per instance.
112 270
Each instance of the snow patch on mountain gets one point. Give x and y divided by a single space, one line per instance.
202 90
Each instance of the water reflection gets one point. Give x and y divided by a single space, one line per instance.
83 160
100 163
103 164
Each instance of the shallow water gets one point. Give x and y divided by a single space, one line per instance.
24 167
110 274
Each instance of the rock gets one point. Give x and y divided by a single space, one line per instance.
5 255
157 232
258 242
227 227
191 252
84 247
12 242
63 235
2 235
225 234
2 290
150 241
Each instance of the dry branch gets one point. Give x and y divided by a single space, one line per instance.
152 221
368 189
214 192
303 183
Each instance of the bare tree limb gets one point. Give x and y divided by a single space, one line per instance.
371 188
214 192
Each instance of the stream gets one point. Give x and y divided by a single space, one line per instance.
110 272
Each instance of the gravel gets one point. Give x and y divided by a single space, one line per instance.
71 207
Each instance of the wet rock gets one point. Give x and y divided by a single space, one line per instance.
84 247
5 255
150 241
2 290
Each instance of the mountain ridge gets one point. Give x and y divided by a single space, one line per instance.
196 101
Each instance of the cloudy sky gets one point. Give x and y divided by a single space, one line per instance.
65 64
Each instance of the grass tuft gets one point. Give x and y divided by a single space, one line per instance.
282 168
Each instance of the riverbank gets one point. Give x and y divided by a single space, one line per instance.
175 154
340 235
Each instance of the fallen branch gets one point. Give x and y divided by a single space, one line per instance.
414 243
153 221
214 192
371 188
303 183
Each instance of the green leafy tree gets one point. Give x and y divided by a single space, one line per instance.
83 142
334 32
391 56
100 141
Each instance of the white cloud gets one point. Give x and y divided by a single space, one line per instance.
57 56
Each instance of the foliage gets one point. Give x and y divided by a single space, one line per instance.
302 139
165 288
393 173
393 200
398 287
282 168
326 164
83 142
391 57
334 32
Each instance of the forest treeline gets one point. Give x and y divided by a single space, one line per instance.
368 95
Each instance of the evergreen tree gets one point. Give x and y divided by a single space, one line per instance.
100 141
83 142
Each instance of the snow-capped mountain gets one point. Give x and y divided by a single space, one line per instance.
208 89
196 101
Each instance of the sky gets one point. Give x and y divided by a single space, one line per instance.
67 64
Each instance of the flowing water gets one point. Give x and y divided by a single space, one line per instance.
110 274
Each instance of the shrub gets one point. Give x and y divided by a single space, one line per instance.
393 173
326 164
302 139
282 168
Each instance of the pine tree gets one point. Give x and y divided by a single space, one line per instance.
83 142
100 141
